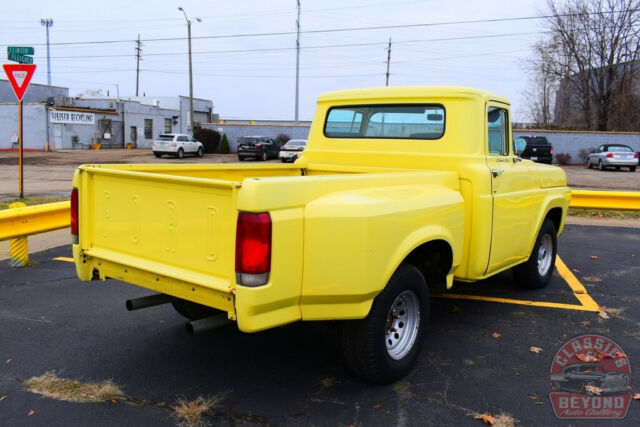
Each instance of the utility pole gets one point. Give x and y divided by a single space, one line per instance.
48 23
297 59
191 124
138 50
388 61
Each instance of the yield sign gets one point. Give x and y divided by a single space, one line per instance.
19 76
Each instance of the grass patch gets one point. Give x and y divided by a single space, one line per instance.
30 201
603 213
50 385
191 413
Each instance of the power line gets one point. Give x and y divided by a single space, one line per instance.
331 30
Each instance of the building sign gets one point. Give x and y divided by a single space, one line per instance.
71 117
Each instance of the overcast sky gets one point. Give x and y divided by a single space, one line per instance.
253 77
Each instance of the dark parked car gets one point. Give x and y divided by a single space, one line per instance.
257 147
538 149
613 155
583 377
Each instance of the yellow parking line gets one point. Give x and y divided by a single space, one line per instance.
63 258
586 302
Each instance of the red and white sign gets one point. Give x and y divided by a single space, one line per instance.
19 76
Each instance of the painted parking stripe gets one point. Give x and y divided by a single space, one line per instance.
586 302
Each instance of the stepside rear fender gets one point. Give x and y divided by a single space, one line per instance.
355 240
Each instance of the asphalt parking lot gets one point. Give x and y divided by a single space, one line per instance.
477 358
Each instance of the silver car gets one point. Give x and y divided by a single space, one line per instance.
613 155
292 149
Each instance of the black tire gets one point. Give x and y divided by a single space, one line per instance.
364 342
241 158
283 160
158 155
617 168
192 310
589 165
632 168
529 274
180 153
264 156
600 165
200 152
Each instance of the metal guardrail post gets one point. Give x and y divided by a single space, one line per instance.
19 246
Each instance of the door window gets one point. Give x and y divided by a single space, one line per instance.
497 120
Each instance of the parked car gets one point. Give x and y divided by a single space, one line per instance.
292 149
581 377
257 147
177 144
613 155
538 149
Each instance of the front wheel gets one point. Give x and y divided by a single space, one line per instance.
264 156
589 165
180 153
600 165
536 272
383 346
200 152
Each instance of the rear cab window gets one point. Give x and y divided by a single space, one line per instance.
412 121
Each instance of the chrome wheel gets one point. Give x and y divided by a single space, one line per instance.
545 252
402 325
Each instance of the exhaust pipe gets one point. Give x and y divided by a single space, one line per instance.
148 301
208 323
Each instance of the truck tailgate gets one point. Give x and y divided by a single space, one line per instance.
177 227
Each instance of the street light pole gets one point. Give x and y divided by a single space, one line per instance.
48 23
190 71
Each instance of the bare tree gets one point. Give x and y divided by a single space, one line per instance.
592 52
543 85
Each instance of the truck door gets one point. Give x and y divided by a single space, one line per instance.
514 199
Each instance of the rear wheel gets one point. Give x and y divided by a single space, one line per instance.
383 346
180 153
536 272
158 155
632 168
192 310
617 168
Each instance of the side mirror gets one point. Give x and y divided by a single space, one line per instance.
521 144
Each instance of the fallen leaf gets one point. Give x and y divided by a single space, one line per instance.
533 396
539 403
536 350
3 398
587 358
495 335
579 291
9 360
575 270
192 404
376 406
114 401
593 389
635 396
620 355
593 257
486 418
603 314
603 355
585 323
31 412
592 279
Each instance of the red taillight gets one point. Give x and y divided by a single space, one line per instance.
253 248
551 151
635 156
609 155
74 211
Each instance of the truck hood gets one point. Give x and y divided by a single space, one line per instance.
549 176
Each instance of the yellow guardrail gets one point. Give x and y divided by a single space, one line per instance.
598 199
25 221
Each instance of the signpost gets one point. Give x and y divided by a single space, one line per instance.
19 76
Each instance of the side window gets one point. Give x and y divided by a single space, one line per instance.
182 138
497 121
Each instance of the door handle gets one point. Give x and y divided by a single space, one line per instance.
496 172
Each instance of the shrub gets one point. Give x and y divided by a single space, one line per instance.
282 138
563 158
584 153
210 139
224 146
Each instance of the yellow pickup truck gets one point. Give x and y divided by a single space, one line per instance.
401 190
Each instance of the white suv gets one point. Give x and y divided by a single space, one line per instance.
177 144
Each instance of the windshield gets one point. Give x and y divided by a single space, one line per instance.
386 121
295 143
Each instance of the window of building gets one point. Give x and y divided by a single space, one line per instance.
148 128
167 125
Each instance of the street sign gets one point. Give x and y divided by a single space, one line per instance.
18 57
21 50
19 76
